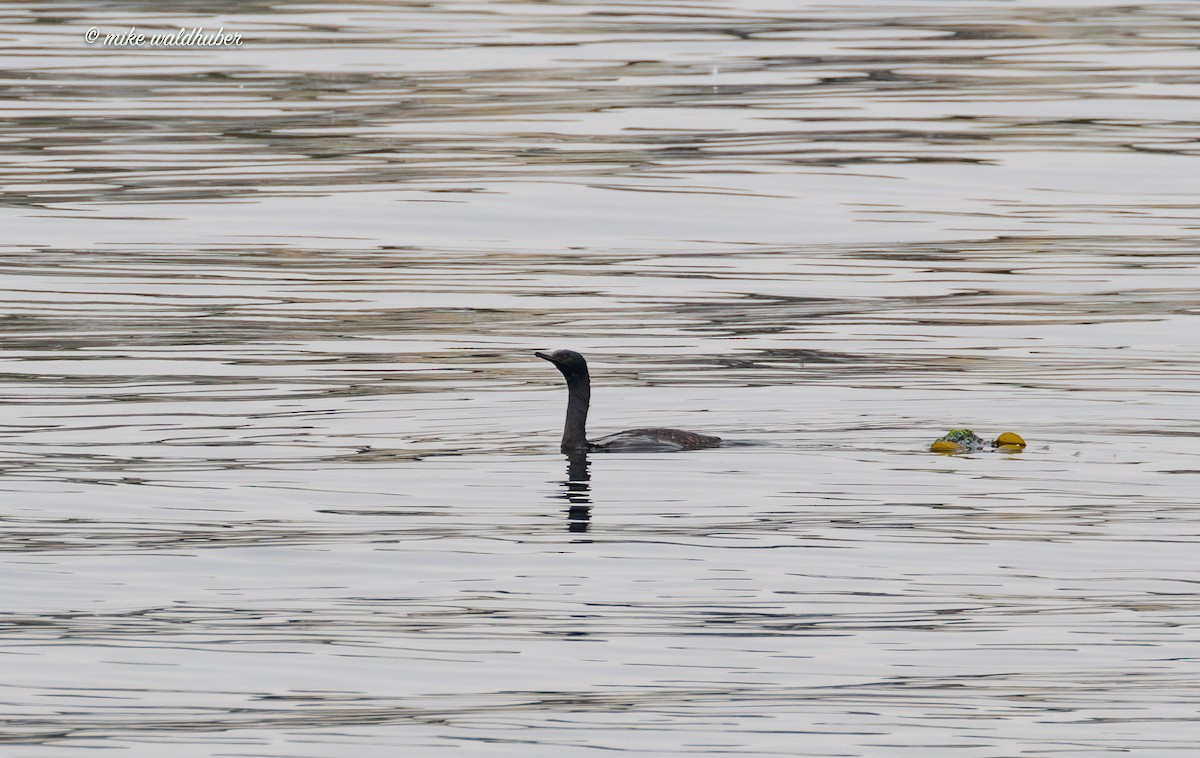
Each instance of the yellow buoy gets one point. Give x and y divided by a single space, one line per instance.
1009 441
945 446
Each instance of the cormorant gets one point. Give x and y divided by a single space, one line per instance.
579 387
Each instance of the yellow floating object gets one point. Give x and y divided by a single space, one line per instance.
945 446
1010 441
966 441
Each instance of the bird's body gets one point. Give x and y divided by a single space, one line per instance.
647 440
654 440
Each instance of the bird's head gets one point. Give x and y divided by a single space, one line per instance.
569 362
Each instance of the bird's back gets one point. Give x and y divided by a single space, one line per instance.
654 440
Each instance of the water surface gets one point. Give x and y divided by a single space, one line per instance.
280 471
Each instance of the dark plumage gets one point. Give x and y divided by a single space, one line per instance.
579 393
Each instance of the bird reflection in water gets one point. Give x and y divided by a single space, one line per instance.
577 491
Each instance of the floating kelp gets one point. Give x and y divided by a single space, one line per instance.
966 441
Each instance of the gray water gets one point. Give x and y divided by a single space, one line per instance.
280 472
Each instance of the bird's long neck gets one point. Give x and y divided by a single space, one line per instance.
579 389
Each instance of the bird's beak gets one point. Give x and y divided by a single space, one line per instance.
544 357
